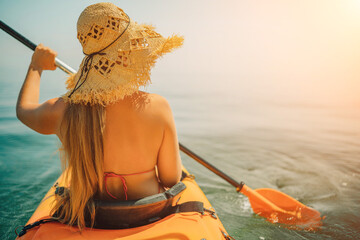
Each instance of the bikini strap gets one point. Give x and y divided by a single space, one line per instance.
121 176
106 175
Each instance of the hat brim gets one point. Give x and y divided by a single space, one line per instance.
115 82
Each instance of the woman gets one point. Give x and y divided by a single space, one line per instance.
118 142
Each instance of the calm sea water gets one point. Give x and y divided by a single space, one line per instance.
307 150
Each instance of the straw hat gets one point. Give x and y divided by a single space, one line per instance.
119 55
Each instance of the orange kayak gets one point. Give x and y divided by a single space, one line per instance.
190 225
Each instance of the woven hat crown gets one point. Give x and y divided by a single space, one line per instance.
119 55
99 25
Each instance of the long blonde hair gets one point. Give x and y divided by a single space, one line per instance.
82 156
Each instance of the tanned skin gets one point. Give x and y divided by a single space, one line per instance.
140 132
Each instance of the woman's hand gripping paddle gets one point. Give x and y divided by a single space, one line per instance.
275 206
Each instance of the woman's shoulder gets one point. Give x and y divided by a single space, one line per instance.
46 118
57 103
158 99
160 104
55 107
155 104
148 100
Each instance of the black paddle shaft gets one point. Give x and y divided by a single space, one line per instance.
17 35
212 167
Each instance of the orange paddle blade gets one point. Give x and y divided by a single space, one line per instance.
277 207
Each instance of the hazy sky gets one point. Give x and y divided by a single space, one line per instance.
306 47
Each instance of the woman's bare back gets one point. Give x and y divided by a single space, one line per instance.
135 129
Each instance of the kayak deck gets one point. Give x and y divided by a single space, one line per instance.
191 225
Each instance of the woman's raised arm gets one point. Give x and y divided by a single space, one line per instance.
43 118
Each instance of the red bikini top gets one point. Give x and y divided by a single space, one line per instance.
121 176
